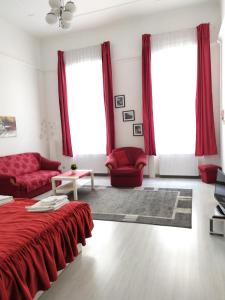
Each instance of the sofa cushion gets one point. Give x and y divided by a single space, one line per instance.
121 158
19 164
35 180
126 171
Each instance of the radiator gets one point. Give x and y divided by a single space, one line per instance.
178 165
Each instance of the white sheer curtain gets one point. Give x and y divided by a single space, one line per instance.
85 100
174 71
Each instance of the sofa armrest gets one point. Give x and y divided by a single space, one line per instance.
46 164
141 162
7 179
111 162
8 184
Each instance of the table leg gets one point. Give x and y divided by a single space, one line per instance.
53 187
92 181
75 190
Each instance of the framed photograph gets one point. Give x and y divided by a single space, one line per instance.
128 115
137 129
7 126
119 101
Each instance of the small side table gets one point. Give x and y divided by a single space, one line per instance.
218 218
73 182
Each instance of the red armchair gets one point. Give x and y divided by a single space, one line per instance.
26 175
126 166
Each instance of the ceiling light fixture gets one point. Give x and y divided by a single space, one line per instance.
61 13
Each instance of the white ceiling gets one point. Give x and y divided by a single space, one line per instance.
30 14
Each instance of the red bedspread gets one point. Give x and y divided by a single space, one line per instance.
34 246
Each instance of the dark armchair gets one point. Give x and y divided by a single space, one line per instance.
126 166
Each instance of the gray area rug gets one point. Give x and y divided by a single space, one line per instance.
168 207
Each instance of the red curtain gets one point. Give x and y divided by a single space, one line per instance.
108 96
205 128
147 102
63 103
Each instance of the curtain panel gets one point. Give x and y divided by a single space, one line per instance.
63 104
147 102
205 128
108 96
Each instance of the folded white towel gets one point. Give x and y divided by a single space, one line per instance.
5 199
5 202
54 199
38 207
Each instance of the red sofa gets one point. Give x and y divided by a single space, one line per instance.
26 174
126 166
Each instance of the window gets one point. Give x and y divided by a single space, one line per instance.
174 68
85 100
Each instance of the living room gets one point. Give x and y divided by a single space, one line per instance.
129 255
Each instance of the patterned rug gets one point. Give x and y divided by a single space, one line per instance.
167 207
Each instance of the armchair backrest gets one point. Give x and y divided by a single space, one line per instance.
132 153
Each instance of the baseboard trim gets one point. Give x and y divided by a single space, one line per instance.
178 176
158 176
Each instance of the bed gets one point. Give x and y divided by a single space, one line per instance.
35 246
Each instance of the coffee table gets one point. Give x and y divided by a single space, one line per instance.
74 181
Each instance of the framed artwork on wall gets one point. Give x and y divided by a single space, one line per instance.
138 129
119 101
128 115
7 126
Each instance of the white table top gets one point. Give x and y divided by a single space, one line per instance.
69 176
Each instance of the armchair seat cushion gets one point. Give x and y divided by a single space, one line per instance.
128 171
35 180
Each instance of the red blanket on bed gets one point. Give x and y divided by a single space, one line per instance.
34 246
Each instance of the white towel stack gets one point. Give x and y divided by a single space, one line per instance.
48 204
5 199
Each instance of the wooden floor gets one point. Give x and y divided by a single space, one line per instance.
145 262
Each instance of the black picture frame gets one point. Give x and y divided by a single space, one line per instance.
138 129
119 101
128 115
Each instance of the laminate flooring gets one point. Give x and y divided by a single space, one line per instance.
125 261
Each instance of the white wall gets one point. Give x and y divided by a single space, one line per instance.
125 38
222 81
222 7
21 91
